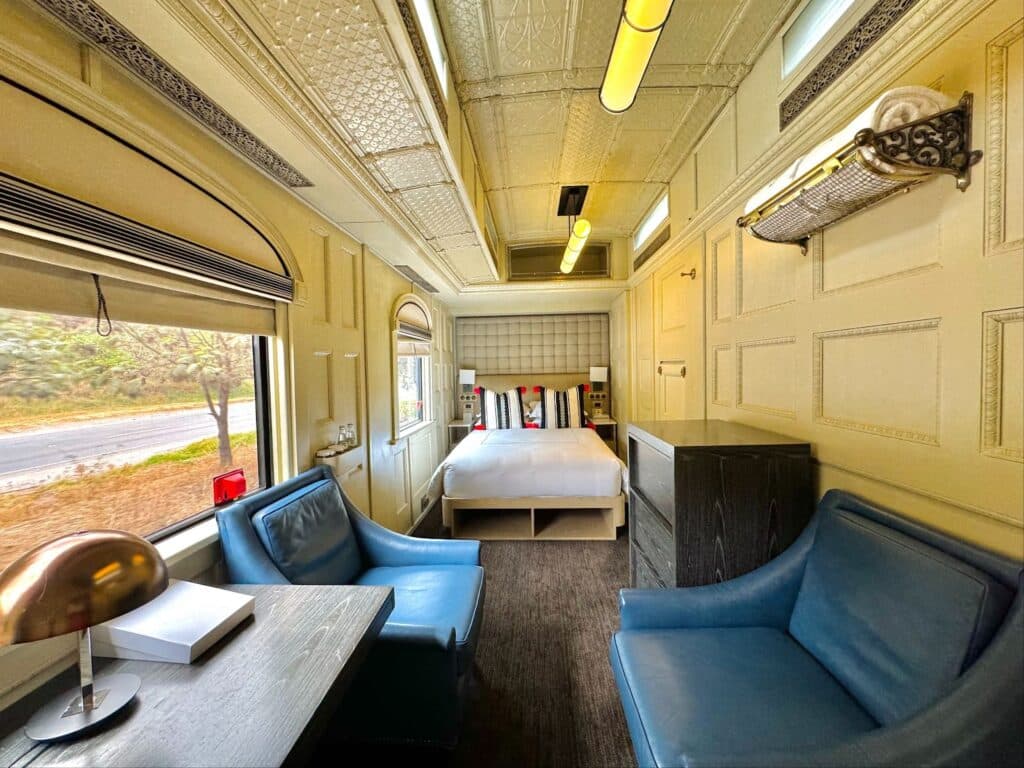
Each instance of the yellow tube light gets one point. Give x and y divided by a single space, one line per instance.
647 15
639 29
573 249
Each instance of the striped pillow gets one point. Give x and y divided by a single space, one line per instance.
502 410
562 409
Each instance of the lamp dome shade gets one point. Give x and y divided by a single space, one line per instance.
75 582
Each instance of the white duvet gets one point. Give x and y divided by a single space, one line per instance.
513 463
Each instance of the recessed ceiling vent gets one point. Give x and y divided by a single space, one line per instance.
570 200
542 261
415 277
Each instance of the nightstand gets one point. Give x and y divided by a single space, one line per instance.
457 429
608 430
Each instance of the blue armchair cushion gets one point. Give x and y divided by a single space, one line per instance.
697 694
308 536
436 596
895 620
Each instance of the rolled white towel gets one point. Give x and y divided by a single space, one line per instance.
892 109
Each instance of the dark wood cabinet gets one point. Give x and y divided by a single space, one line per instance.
711 500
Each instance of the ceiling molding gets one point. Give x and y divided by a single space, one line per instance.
357 99
104 32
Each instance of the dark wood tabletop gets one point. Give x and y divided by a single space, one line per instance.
707 433
259 697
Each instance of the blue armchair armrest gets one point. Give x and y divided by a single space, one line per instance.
763 597
382 547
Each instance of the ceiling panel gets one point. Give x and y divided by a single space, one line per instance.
527 74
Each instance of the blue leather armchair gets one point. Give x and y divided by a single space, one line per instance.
870 641
306 531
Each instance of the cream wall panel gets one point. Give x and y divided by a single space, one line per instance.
643 365
1005 136
1003 380
723 376
903 403
765 273
766 376
722 262
757 109
900 351
716 156
620 367
907 228
682 194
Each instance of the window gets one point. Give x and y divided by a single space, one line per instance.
654 219
413 339
124 431
808 29
412 388
435 43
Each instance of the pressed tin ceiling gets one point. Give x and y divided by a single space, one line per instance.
528 73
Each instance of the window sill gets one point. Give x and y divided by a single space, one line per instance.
419 427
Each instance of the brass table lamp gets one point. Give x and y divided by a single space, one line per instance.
68 585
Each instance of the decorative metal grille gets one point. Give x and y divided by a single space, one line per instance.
103 30
872 25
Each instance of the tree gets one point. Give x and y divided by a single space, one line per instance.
34 363
220 362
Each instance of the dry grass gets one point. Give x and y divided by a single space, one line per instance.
141 499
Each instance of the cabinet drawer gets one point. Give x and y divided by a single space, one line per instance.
644 576
653 474
652 535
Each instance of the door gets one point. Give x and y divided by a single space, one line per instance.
672 293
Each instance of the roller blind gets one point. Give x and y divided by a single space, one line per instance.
414 333
53 276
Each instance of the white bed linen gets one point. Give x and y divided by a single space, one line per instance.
513 463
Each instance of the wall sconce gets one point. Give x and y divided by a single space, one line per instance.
639 30
598 376
467 378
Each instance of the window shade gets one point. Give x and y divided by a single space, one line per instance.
55 277
414 333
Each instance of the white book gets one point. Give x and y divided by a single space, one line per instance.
179 625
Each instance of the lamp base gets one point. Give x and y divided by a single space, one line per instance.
64 717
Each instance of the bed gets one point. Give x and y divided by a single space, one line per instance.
532 484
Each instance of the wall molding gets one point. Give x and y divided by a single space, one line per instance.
916 326
740 311
786 413
992 383
912 38
817 255
729 232
716 377
996 142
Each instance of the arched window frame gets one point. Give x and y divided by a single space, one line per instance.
411 337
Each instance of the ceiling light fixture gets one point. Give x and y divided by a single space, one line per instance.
578 234
639 30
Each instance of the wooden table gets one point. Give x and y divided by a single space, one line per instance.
260 697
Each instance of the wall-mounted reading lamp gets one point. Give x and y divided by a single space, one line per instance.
639 29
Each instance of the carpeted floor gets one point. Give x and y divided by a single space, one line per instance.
544 694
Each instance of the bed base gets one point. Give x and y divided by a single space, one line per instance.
535 518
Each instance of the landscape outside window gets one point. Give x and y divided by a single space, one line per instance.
124 431
411 387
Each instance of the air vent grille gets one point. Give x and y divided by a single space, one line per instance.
32 206
415 277
542 262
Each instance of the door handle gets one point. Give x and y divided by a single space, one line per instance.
692 274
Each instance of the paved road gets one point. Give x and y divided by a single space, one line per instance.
30 458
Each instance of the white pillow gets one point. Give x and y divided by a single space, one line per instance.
536 410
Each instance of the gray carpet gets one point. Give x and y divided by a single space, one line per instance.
544 694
